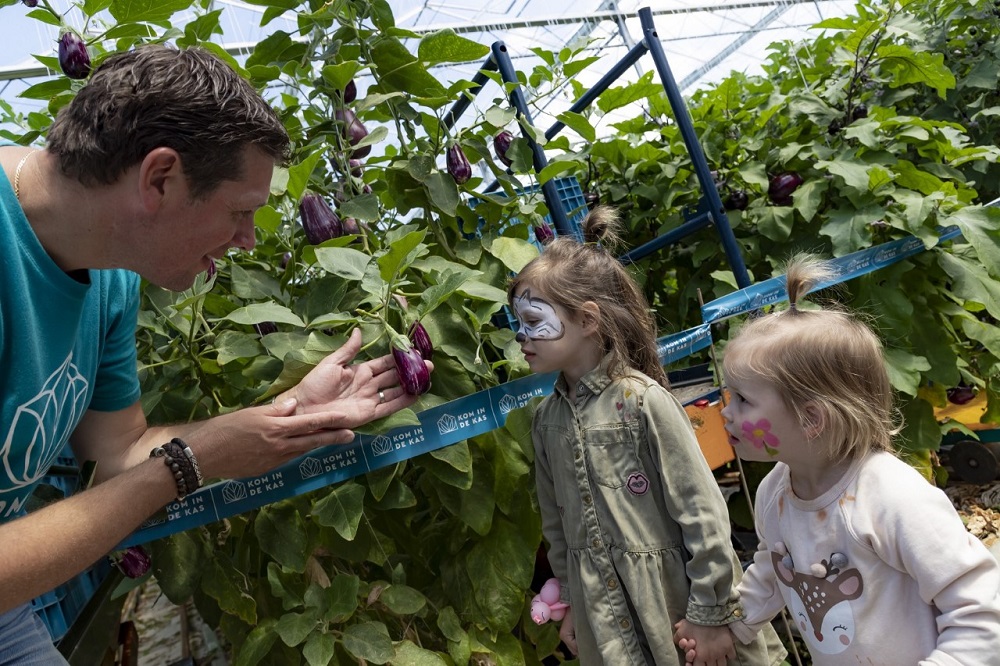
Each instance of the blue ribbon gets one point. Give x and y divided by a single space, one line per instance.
849 266
471 415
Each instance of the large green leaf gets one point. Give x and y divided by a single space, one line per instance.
445 46
257 313
400 71
342 509
150 11
294 628
281 533
258 644
369 641
348 263
178 563
319 649
402 599
408 654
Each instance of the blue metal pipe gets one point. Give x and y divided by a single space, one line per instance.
674 235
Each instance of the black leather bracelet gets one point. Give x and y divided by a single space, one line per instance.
179 458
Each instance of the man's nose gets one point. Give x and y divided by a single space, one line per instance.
246 236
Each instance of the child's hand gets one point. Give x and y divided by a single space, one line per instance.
704 646
568 633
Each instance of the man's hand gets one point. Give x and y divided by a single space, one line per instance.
704 646
351 390
567 632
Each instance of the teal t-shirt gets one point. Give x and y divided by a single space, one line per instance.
65 347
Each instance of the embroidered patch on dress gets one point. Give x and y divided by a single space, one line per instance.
637 483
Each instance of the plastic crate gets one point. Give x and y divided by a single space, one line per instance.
575 206
60 608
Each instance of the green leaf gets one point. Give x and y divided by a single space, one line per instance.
369 641
289 586
233 345
615 98
294 628
402 599
443 192
457 455
319 649
515 253
339 75
450 625
267 219
971 282
400 255
257 645
911 177
45 16
854 173
579 124
849 229
298 174
343 598
445 46
408 654
362 207
400 71
981 227
227 586
149 11
904 370
921 430
808 198
906 66
555 168
482 291
776 222
178 562
281 532
343 261
342 509
46 90
256 313
93 7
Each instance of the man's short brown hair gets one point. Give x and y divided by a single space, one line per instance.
157 96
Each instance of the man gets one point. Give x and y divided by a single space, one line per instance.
154 169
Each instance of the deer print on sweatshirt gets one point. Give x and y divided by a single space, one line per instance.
822 606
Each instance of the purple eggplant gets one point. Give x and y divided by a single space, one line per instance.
212 269
544 233
265 328
421 340
319 220
501 144
782 186
414 376
458 164
134 561
351 226
30 3
73 57
286 258
961 394
353 131
736 200
350 91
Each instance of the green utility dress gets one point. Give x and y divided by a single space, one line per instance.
638 530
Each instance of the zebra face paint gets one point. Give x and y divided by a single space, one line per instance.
536 317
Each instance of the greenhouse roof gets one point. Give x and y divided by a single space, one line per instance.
703 41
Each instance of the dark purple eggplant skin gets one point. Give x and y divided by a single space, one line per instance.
265 328
318 219
73 57
30 3
458 165
421 340
414 376
350 91
960 395
737 200
286 258
544 233
501 144
134 561
353 131
782 186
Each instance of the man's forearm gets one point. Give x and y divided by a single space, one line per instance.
48 547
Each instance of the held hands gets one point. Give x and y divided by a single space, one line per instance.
704 646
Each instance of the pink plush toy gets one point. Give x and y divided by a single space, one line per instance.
546 606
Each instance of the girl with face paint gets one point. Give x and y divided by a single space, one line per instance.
872 561
637 530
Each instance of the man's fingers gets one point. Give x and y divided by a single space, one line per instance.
348 350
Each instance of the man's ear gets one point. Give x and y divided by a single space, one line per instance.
590 317
815 420
159 172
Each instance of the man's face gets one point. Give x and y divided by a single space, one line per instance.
195 232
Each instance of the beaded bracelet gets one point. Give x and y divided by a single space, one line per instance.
179 458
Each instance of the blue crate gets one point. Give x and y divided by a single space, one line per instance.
60 608
575 206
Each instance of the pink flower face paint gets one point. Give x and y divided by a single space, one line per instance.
537 318
759 434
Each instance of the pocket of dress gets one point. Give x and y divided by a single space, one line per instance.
611 456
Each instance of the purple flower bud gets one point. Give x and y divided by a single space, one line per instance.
421 340
73 56
544 233
501 144
318 219
414 376
134 561
458 165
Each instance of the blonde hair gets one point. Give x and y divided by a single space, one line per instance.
823 357
570 273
